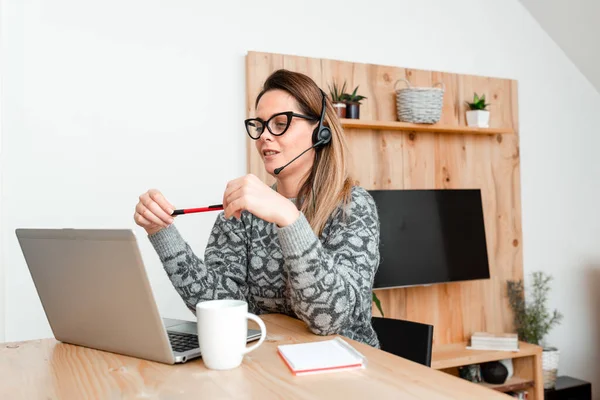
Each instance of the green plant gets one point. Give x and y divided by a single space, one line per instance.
337 95
353 97
532 318
378 303
478 103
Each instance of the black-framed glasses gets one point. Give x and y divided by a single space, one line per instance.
277 124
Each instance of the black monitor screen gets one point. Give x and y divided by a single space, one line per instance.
430 236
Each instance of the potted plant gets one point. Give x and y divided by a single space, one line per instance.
533 320
337 99
353 104
477 115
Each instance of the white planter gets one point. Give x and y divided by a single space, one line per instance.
550 359
478 118
340 109
509 367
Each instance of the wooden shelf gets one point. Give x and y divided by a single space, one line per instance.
405 126
457 354
527 365
513 384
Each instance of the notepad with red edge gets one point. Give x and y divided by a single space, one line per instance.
318 357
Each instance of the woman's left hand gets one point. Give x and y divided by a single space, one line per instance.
251 194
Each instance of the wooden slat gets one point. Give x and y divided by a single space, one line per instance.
433 128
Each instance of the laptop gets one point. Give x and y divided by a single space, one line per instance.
95 292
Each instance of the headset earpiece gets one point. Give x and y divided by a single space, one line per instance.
324 135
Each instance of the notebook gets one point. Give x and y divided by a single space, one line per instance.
318 357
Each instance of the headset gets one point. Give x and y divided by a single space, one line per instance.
322 134
320 137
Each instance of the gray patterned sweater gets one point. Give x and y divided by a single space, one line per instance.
326 282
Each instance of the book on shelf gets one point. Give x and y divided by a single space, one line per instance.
494 341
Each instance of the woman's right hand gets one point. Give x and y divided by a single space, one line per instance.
153 212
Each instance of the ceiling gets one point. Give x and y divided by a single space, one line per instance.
575 26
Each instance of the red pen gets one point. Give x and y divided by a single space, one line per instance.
215 207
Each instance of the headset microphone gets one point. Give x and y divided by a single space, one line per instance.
278 170
321 136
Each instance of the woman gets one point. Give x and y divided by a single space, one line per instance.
307 247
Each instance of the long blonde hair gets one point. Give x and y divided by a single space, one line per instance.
328 184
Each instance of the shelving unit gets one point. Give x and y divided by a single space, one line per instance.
446 155
405 126
527 365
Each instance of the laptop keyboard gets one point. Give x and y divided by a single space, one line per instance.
181 342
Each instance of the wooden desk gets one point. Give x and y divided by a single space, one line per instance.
47 369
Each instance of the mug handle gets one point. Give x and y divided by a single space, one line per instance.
263 333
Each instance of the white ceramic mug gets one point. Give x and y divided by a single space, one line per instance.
222 332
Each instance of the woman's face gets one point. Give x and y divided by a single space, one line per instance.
276 151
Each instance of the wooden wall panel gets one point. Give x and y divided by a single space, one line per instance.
388 159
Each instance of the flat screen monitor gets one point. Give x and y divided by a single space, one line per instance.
430 236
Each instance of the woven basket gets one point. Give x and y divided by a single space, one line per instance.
550 359
419 105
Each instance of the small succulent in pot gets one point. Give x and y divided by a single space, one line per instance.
353 102
478 103
477 115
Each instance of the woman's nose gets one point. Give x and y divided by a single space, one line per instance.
266 136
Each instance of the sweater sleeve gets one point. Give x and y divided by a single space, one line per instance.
331 282
221 275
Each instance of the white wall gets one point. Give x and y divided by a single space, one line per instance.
121 96
573 25
3 19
